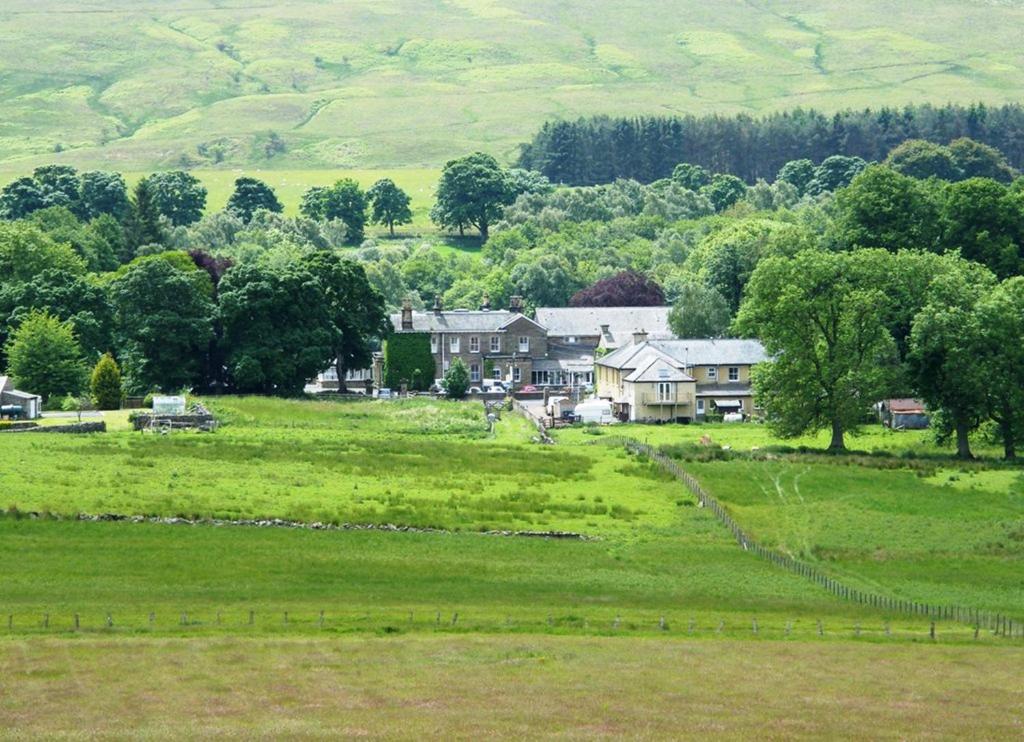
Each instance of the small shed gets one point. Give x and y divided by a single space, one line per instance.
15 403
904 414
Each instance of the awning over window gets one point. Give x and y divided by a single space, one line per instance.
728 404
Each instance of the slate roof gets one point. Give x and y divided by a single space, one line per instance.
659 370
692 352
622 321
458 320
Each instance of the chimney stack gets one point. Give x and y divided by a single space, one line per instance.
639 337
515 304
407 314
437 304
485 305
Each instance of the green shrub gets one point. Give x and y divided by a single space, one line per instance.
105 384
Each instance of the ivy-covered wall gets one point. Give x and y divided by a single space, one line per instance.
404 354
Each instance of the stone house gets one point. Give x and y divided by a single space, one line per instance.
495 344
679 380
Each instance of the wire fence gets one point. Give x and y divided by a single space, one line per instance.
678 624
996 622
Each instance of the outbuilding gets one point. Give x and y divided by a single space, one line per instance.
18 404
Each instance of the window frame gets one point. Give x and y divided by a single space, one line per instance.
712 373
474 372
474 344
495 344
454 344
733 373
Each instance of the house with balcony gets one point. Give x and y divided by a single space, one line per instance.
679 380
578 335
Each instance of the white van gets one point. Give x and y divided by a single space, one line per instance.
595 411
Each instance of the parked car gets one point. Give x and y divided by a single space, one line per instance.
383 394
732 417
475 390
528 388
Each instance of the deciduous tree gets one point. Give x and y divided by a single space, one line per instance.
390 204
44 357
473 191
251 195
821 319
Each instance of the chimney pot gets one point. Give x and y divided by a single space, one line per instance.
437 304
639 337
485 305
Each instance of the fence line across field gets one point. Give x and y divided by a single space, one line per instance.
453 620
996 622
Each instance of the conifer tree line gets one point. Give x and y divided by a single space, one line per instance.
602 149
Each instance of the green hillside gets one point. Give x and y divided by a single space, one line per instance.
140 84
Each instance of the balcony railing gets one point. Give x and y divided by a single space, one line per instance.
652 400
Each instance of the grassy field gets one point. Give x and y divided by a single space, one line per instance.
910 533
107 626
506 687
396 83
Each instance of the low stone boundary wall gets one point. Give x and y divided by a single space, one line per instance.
100 427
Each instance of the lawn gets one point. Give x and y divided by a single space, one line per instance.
395 83
473 687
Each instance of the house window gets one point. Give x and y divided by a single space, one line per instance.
447 364
712 373
524 344
700 406
474 372
330 374
474 344
572 340
495 344
517 374
453 344
665 391
496 374
433 343
734 373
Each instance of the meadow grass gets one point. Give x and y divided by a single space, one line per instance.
906 528
396 83
506 686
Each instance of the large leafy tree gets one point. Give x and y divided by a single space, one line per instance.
976 160
67 296
251 195
60 186
162 324
345 201
354 307
692 177
798 173
390 204
472 192
821 318
278 332
944 342
699 312
724 190
999 315
44 357
21 197
103 193
985 222
920 159
26 251
882 208
178 195
835 172
625 289
725 259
